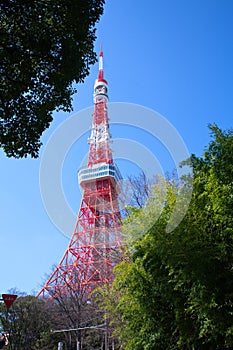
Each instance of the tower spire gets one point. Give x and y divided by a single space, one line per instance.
101 67
99 140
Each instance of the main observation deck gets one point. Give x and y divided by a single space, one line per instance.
99 171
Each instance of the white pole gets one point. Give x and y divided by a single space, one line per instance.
106 337
60 345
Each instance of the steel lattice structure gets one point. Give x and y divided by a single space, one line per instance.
94 247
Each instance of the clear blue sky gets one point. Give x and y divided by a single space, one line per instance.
172 56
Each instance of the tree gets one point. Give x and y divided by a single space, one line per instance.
175 289
140 186
45 47
77 315
28 322
35 323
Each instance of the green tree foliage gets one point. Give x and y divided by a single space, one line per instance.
45 46
175 289
36 324
28 321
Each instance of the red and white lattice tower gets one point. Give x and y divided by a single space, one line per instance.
95 244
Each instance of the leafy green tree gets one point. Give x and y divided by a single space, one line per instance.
175 289
45 47
28 321
37 324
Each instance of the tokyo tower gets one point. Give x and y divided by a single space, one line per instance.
94 247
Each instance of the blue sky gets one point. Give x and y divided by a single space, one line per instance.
172 56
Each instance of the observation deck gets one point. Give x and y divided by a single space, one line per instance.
99 171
